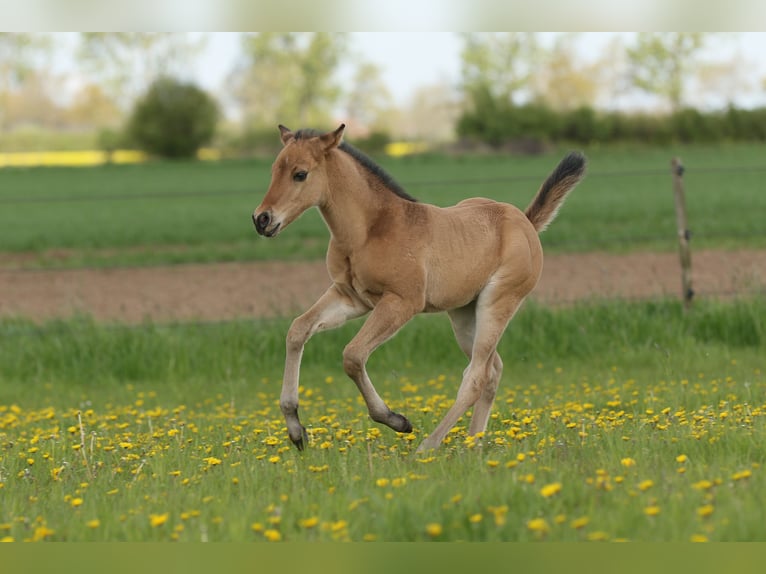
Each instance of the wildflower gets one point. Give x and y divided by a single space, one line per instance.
628 462
41 533
308 522
550 489
741 475
698 538
433 529
499 513
75 502
272 535
475 518
274 459
653 510
705 511
682 458
382 482
598 536
493 463
95 523
156 520
538 525
256 527
579 523
212 461
702 485
645 485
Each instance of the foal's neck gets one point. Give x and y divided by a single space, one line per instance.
354 202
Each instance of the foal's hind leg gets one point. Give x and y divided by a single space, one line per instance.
492 316
463 322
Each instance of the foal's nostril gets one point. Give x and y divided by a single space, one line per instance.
262 221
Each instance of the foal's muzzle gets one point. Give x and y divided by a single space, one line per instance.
262 221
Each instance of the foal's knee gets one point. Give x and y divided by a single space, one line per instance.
297 335
353 362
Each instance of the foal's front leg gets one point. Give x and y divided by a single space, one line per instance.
331 310
389 315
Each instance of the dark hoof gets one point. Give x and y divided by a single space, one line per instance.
301 443
401 424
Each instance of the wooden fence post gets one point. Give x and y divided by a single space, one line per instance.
684 235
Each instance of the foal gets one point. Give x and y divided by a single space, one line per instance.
393 257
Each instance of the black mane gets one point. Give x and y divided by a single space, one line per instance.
365 161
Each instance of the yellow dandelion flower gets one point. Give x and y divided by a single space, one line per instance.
493 463
274 459
705 510
538 525
212 461
382 482
628 462
550 489
41 533
433 529
369 537
338 525
702 485
272 535
256 527
310 522
741 475
95 523
653 510
645 485
579 523
698 538
7 539
75 502
682 458
475 518
598 536
156 520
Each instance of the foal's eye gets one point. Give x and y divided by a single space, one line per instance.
300 175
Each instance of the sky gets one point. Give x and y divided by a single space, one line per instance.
409 60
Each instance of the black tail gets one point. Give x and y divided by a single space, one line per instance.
554 190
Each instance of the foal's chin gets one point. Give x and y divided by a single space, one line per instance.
274 231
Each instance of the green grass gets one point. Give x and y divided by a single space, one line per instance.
174 432
181 212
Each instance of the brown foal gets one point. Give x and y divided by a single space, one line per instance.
393 257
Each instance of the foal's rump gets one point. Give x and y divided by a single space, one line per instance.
471 243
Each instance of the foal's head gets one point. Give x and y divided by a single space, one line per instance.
298 179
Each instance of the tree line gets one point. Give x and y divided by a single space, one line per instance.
513 87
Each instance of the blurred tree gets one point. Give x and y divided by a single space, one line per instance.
289 78
369 101
431 114
498 65
124 64
20 54
564 82
660 63
174 119
92 107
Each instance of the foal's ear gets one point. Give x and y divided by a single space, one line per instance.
332 139
287 135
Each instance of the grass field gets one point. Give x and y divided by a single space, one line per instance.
614 421
181 212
